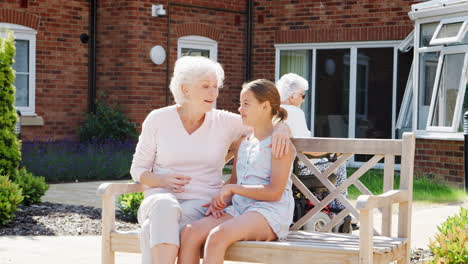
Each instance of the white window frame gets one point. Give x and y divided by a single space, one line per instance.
417 51
198 42
25 33
405 107
353 46
447 40
460 95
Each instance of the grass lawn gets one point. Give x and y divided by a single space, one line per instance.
424 189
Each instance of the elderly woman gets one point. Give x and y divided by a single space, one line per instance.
180 155
292 89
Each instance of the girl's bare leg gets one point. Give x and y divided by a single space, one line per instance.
249 226
193 237
164 253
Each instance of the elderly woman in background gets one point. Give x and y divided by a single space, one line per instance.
180 155
292 89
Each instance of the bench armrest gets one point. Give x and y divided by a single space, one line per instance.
382 200
119 188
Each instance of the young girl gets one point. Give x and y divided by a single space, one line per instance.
262 204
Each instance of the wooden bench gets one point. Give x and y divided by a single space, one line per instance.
370 246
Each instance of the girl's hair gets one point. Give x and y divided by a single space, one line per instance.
189 69
264 90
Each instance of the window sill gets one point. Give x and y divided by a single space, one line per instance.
458 136
32 121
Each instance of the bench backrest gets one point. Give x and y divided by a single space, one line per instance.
379 149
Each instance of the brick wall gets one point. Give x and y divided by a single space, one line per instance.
127 32
302 21
440 159
61 62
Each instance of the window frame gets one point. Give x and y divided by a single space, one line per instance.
353 46
460 95
448 40
406 107
25 33
424 133
198 42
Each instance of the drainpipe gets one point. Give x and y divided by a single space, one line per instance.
92 57
465 148
248 46
168 49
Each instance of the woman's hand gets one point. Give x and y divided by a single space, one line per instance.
280 140
222 199
174 182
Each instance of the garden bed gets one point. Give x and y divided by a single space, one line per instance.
52 219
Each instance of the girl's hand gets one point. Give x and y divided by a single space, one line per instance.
221 200
214 212
175 182
280 140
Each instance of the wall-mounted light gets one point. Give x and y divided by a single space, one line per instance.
158 10
84 38
158 55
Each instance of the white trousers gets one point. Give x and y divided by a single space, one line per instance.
161 217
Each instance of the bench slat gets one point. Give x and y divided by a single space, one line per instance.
377 248
349 145
129 242
282 252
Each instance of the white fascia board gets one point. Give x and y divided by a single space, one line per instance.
438 8
335 45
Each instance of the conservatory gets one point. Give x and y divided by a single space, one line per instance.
434 101
435 96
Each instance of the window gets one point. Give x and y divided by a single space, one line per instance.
354 86
197 46
298 62
448 92
405 116
441 76
450 30
332 92
24 66
427 73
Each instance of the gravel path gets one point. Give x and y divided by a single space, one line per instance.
52 219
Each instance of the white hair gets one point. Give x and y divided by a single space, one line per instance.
291 84
189 69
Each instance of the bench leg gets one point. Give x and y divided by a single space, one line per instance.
405 259
366 234
108 225
108 256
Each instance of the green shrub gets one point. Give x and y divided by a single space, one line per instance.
109 123
128 204
33 187
10 154
451 243
10 198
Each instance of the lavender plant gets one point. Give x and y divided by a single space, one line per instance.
72 161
